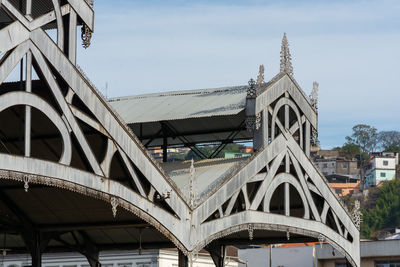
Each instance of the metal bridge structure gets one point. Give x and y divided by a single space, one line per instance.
75 177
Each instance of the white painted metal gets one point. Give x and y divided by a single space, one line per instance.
29 99
181 104
28 89
60 24
189 227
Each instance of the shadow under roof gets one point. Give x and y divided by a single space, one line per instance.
186 117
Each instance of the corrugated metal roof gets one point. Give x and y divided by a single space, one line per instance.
181 104
208 173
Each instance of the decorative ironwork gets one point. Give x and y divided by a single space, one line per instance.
86 35
314 136
356 214
251 91
286 58
26 183
250 228
114 205
250 121
161 188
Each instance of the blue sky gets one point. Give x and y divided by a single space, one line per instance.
350 47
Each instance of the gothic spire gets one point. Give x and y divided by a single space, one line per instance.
286 58
314 96
260 77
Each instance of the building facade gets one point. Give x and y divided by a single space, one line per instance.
146 258
385 253
382 168
341 166
343 185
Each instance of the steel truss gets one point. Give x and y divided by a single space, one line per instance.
286 120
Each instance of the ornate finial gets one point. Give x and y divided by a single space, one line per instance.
286 58
356 214
250 228
192 193
314 96
86 35
26 183
114 205
251 91
260 77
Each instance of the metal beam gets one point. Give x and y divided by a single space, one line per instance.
183 260
28 88
91 226
217 253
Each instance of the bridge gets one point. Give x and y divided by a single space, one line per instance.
74 176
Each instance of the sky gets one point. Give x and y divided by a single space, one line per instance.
350 47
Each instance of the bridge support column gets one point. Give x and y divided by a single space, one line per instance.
36 242
183 260
218 254
35 249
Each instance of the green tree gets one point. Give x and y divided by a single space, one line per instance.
386 213
350 150
365 136
390 141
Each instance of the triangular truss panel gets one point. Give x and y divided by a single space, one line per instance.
93 139
278 189
291 195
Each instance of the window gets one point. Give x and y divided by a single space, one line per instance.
385 163
325 165
338 191
344 166
383 174
340 264
387 264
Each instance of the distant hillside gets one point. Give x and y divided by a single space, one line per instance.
381 210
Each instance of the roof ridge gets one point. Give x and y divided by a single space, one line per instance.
180 93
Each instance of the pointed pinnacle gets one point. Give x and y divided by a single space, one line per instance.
286 58
260 77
